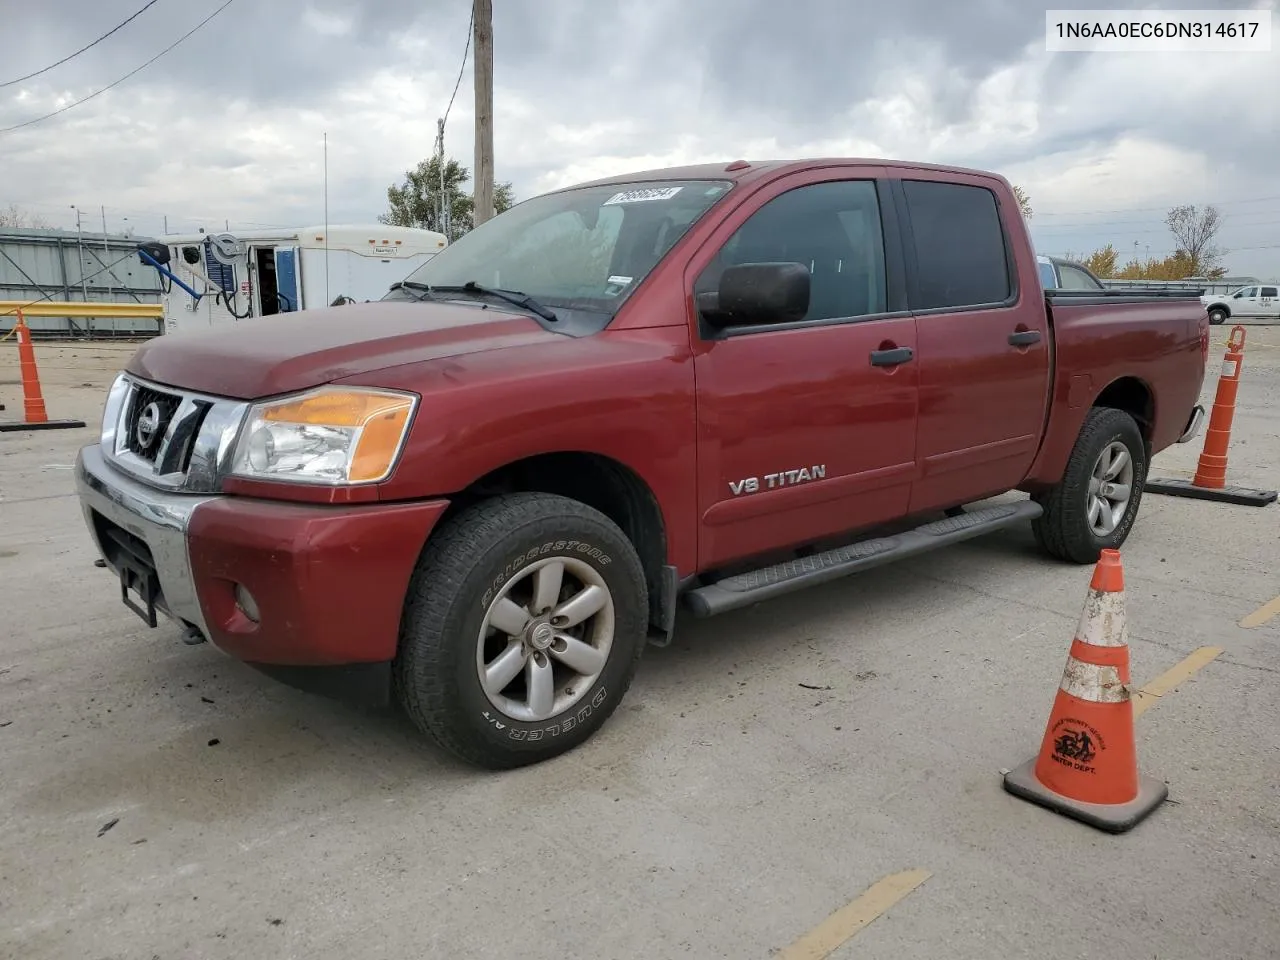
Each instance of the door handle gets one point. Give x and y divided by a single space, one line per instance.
1024 338
891 358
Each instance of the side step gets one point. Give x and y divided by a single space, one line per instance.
745 589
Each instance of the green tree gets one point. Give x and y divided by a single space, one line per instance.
416 201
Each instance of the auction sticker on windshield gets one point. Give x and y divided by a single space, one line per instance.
640 196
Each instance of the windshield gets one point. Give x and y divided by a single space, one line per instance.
578 250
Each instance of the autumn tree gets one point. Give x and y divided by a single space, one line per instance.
1024 201
1193 231
416 201
15 216
1102 262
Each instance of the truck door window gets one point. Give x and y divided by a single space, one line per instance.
959 246
1246 293
833 229
1268 293
1074 278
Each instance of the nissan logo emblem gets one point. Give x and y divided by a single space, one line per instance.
148 428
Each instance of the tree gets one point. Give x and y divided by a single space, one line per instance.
1024 201
14 216
1102 262
416 201
1193 231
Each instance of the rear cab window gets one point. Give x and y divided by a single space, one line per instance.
959 245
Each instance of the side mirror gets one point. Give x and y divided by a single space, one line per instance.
759 293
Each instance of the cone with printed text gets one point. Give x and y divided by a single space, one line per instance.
1087 767
35 417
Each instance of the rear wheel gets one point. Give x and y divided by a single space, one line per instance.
1094 506
523 629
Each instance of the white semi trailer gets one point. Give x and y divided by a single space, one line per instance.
211 280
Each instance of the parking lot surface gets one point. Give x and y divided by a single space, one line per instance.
764 772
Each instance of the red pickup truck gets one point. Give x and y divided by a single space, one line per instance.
481 496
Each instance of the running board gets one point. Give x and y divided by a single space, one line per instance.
744 589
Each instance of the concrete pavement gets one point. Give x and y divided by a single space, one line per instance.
763 772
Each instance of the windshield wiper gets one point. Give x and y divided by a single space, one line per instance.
511 296
413 285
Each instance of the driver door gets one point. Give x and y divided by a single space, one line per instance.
1245 303
806 429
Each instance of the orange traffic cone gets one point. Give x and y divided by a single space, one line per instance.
33 409
1210 481
1087 767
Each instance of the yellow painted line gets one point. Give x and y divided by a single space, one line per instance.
1150 694
1264 613
852 917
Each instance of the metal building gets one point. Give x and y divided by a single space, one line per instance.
68 265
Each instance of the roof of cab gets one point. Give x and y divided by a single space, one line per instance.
743 171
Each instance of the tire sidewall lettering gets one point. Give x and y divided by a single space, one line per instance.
520 560
575 719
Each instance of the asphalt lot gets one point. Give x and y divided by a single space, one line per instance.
763 772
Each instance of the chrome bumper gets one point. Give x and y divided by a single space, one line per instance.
156 517
1193 425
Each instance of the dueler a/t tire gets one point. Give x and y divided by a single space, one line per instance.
466 565
1064 531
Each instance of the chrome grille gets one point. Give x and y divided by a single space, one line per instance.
170 438
145 437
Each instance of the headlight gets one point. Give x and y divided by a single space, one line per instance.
330 435
111 412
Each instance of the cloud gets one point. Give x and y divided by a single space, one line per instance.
231 124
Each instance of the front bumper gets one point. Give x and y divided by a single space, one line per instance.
328 582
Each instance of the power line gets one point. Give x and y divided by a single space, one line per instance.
461 68
27 123
1096 228
1164 209
9 83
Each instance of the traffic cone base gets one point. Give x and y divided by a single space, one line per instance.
10 427
1087 767
1111 817
1241 496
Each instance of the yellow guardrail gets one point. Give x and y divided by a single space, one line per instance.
56 308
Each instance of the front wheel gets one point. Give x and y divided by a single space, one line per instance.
1217 315
524 625
1095 504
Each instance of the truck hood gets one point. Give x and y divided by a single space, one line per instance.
278 354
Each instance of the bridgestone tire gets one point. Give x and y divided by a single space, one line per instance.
1063 531
435 674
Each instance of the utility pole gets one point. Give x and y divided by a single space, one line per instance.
483 39
106 252
84 284
442 206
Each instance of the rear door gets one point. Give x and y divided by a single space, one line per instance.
983 340
1268 303
806 429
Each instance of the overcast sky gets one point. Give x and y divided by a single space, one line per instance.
229 125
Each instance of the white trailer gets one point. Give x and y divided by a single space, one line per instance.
212 280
